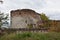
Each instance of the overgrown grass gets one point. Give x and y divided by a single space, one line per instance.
31 36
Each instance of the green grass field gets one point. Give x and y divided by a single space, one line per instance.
31 36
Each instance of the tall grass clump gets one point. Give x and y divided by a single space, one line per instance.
31 36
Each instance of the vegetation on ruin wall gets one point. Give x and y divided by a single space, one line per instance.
44 17
45 20
53 25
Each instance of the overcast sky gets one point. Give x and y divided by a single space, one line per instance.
50 7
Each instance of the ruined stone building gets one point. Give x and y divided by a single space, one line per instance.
25 18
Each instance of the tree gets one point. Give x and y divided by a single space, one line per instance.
44 17
2 17
45 20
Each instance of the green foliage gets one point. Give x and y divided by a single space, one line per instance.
44 17
31 36
45 20
2 18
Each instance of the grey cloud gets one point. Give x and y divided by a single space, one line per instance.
37 5
54 15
